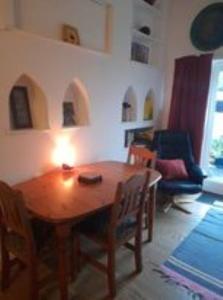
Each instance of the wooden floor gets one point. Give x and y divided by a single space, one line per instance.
170 230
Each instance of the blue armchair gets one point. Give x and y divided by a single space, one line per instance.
177 145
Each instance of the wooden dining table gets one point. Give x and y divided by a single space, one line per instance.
60 199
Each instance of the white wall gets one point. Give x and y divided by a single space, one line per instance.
53 66
181 16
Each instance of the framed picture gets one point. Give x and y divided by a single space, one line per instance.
68 114
140 53
70 35
19 107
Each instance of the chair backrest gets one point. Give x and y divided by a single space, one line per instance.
129 199
14 216
141 156
171 144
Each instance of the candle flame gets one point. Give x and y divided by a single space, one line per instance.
64 152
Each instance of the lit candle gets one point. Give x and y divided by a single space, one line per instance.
63 154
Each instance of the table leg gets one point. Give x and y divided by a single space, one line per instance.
62 235
151 211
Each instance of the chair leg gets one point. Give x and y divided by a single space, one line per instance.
5 269
151 207
111 272
75 256
180 208
33 280
5 260
146 219
138 253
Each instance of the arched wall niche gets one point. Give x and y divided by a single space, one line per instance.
75 105
129 106
148 113
37 103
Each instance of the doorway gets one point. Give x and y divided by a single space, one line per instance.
212 152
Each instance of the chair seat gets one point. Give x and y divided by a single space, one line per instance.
176 187
97 226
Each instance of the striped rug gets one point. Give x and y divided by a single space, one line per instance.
198 262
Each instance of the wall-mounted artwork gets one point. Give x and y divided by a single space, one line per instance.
207 28
70 35
68 114
75 107
139 136
20 109
149 106
140 53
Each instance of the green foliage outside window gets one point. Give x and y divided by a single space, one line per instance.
217 147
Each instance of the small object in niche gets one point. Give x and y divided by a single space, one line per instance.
151 2
148 107
68 114
126 112
145 29
70 35
89 177
67 168
19 108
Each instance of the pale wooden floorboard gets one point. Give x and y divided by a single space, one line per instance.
170 230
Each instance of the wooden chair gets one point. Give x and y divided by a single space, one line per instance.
141 156
21 236
145 158
115 227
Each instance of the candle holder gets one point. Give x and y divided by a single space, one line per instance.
67 168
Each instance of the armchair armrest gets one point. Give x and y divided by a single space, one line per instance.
196 173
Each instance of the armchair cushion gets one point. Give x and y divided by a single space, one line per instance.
172 168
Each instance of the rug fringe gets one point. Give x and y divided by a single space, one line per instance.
171 280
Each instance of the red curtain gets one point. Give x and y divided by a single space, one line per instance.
189 97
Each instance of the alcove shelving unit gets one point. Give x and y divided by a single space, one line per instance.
28 109
75 106
54 31
129 106
146 46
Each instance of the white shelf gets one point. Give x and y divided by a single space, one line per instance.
30 131
55 41
128 122
146 6
136 124
144 38
139 64
72 128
